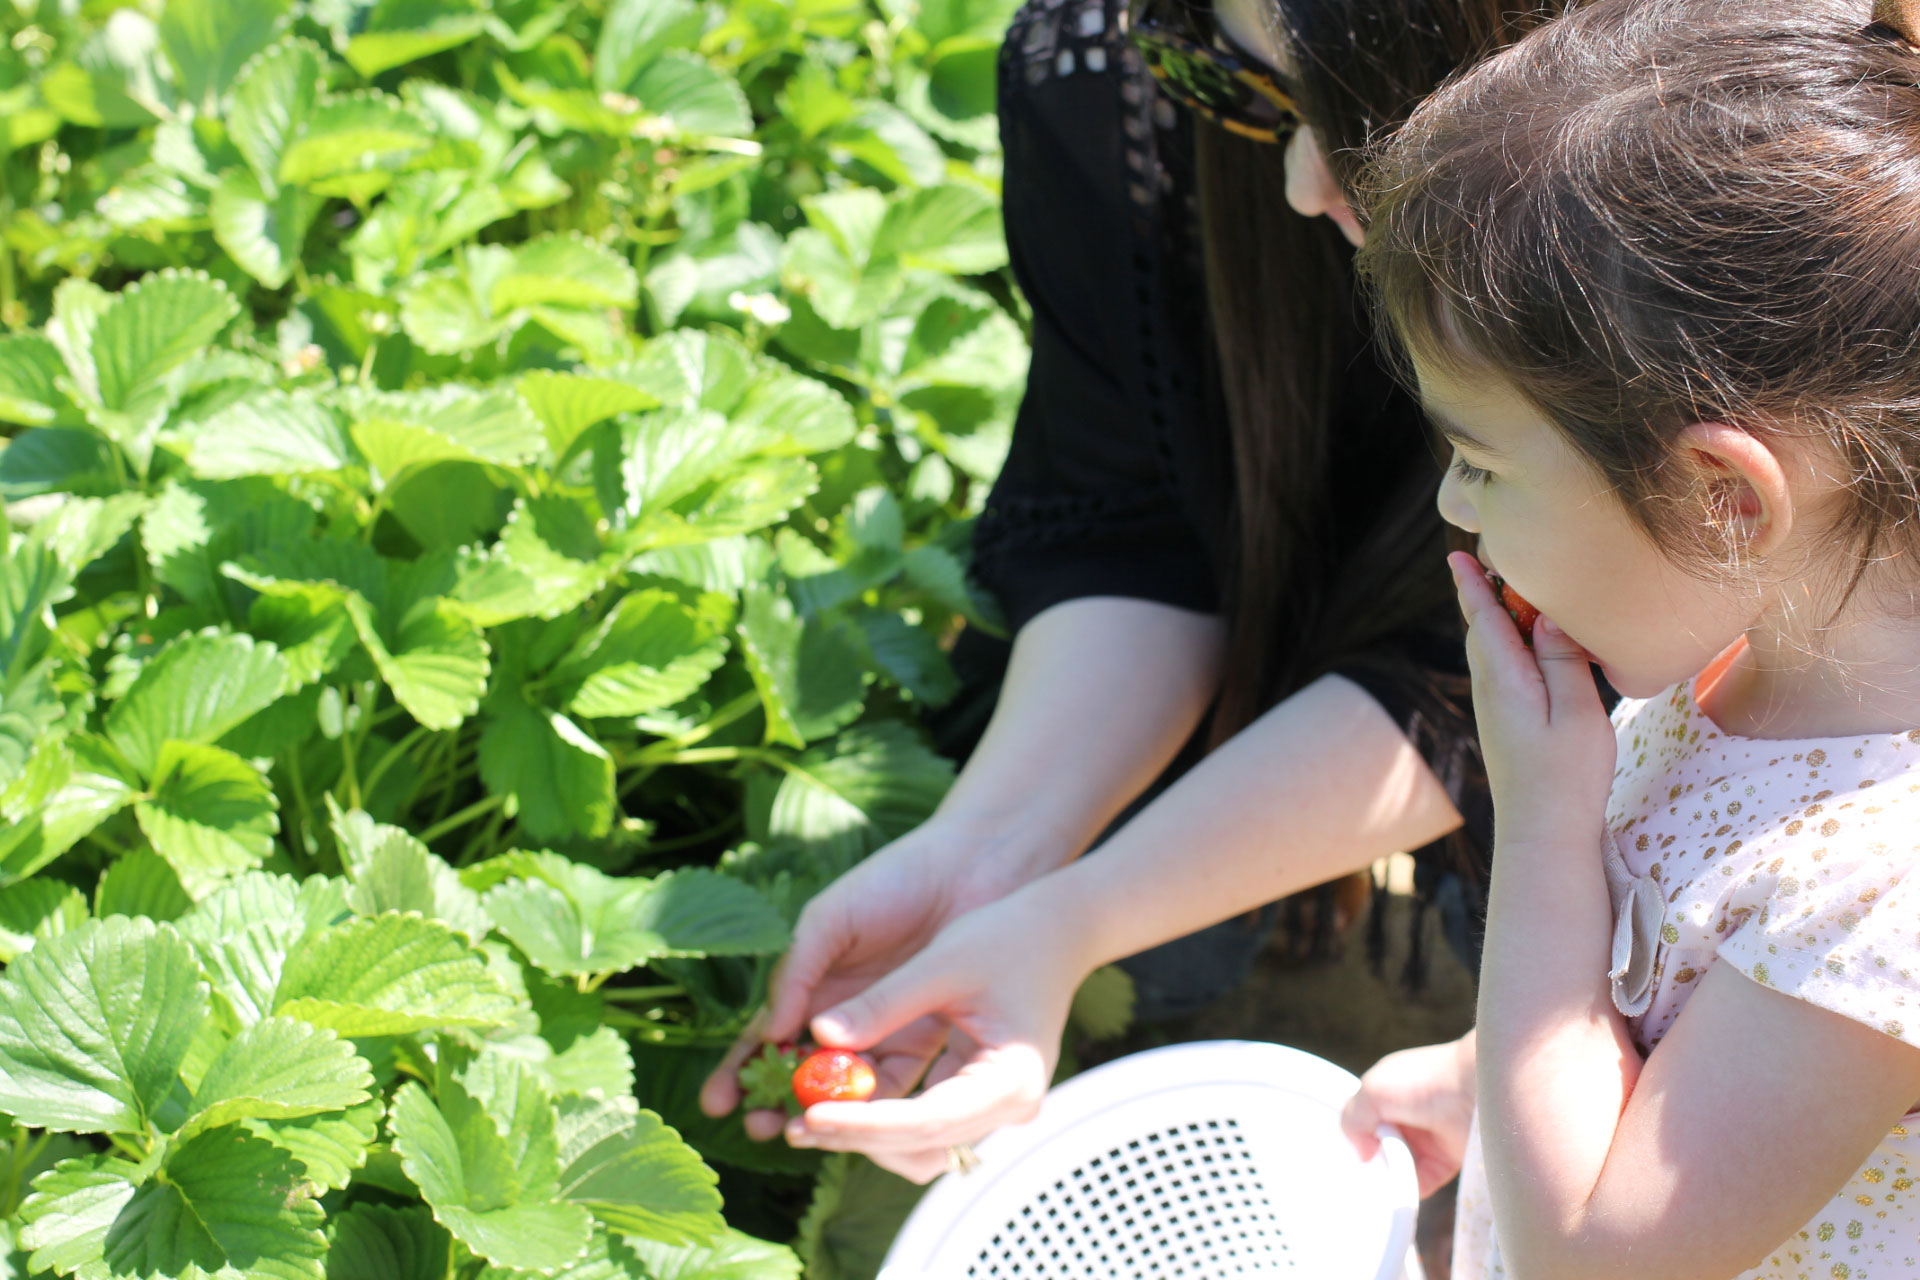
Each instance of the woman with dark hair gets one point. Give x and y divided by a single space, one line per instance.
1215 538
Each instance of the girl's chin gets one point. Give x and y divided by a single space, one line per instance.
1629 685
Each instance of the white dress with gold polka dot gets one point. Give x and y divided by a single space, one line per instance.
1797 862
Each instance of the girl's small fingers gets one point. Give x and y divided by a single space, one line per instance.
1358 1120
1567 670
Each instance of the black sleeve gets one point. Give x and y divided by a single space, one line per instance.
1087 503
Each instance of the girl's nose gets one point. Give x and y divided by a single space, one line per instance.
1455 508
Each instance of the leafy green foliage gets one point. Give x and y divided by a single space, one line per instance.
432 432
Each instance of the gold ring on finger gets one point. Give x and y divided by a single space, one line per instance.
962 1159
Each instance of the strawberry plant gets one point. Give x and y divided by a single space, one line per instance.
486 487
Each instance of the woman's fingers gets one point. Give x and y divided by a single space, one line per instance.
720 1094
764 1126
820 939
918 1166
915 990
1001 1087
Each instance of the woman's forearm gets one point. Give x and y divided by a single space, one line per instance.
1100 695
1323 784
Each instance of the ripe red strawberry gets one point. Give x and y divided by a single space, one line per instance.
1524 615
833 1075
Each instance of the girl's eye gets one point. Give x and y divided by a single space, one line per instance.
1467 472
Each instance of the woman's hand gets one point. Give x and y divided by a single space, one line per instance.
1427 1093
864 926
1548 744
1001 980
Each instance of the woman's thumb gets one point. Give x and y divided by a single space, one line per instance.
903 996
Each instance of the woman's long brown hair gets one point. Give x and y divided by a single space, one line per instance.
1288 337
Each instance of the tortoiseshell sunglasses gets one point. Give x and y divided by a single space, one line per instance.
1198 66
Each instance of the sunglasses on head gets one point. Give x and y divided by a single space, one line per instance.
1198 66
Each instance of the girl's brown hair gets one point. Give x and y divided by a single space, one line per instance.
1659 212
1288 347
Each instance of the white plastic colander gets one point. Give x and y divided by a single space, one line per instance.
1217 1159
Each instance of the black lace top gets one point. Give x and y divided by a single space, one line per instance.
1118 481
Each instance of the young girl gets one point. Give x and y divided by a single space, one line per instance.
1656 271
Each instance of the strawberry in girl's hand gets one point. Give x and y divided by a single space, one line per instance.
1524 615
781 1078
833 1075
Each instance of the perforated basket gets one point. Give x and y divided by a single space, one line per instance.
1223 1158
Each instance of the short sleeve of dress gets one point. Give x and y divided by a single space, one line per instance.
1847 940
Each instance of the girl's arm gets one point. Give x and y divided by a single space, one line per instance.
1750 1115
1323 784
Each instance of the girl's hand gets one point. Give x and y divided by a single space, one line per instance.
1548 744
861 928
1427 1093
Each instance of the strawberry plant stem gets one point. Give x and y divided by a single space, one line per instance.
484 805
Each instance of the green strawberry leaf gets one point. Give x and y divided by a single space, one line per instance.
352 134
30 375
396 430
592 923
209 41
389 974
565 270
392 871
70 1211
810 680
278 1069
193 691
560 778
141 883
271 433
436 663
870 785
734 1256
230 1202
403 31
596 1063
150 327
634 1173
463 1165
271 100
636 32
651 651
94 1027
331 1146
378 1242
37 909
210 813
568 403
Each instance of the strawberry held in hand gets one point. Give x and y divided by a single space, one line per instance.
781 1078
833 1075
1524 615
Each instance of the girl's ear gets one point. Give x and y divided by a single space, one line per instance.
1745 484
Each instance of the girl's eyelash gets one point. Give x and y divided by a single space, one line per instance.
1467 472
